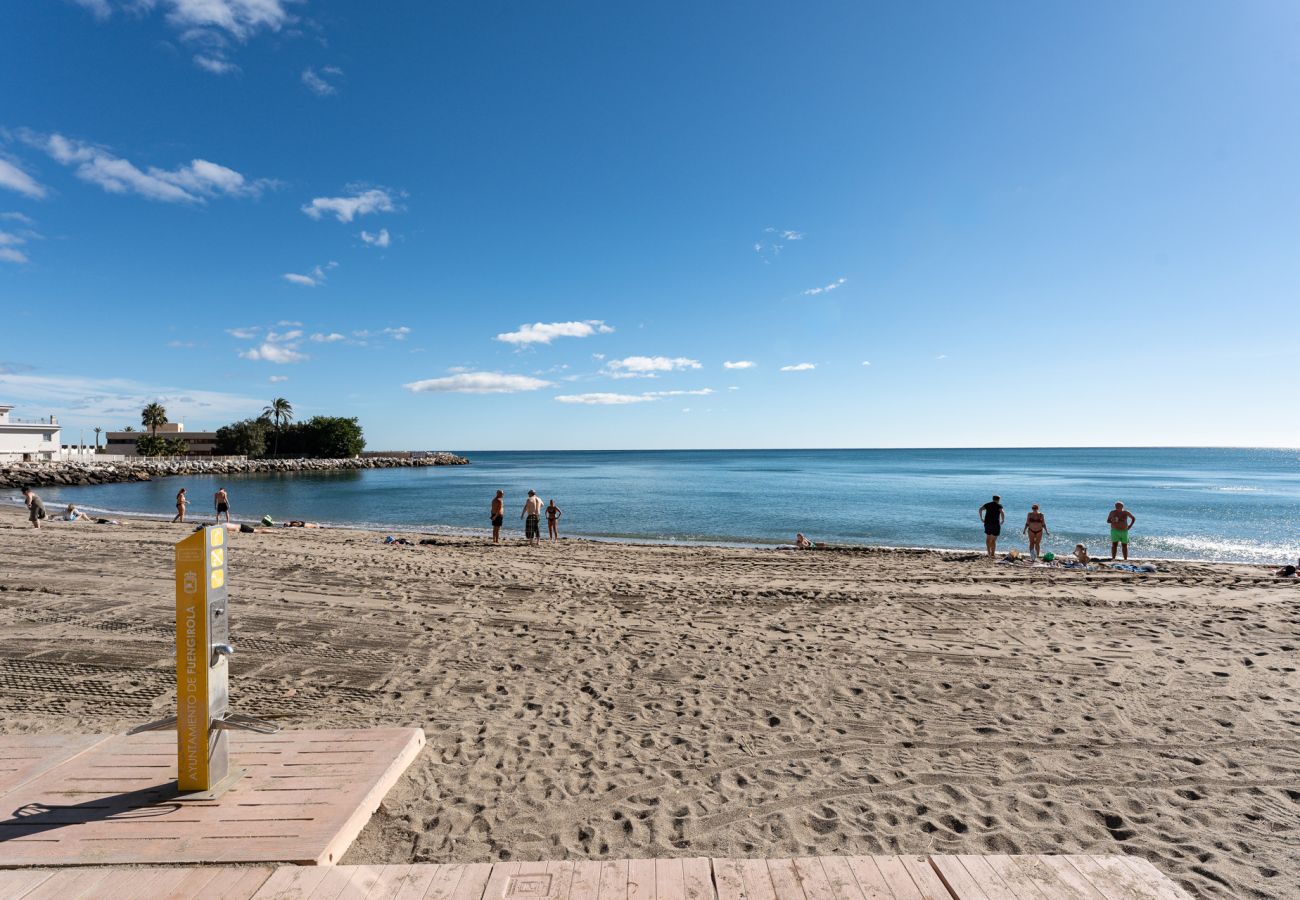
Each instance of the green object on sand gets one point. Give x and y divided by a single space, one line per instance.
1049 556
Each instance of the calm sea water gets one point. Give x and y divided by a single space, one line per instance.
1218 504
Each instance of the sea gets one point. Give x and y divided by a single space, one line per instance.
1214 504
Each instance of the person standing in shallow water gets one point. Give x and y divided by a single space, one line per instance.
1120 521
1035 528
222 500
532 516
992 515
553 520
498 515
181 502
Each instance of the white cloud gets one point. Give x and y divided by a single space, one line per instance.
195 182
277 379
733 388
346 208
329 338
314 279
866 362
180 345
773 241
244 334
477 383
799 367
545 332
741 364
15 217
812 292
288 323
942 356
319 85
606 398
283 337
100 9
110 402
398 334
648 366
281 354
15 179
9 251
217 65
603 399
376 240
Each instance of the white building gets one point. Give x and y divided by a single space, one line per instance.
27 440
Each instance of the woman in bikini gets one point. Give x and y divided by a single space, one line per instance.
181 502
1035 527
553 520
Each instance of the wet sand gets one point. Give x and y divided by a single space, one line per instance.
590 700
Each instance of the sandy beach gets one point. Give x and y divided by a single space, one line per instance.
588 700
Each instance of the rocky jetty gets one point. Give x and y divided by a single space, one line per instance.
70 472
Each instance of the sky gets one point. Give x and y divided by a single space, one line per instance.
486 225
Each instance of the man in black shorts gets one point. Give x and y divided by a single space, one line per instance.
498 515
992 515
222 500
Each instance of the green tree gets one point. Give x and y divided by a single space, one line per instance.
98 432
281 413
153 417
151 445
176 447
246 438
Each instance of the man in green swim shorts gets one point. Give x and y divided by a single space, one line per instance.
1120 521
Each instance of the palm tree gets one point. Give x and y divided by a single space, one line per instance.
281 413
153 417
98 431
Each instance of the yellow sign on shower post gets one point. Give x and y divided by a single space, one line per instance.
202 669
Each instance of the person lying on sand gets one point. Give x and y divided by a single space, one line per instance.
802 543
1287 571
72 514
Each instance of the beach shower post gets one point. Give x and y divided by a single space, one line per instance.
203 717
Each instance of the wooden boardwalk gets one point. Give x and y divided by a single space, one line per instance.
806 878
71 800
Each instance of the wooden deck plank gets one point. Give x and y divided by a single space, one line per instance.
955 877
813 878
24 757
785 879
235 884
1105 881
670 879
473 882
843 883
1145 869
613 879
111 800
758 883
69 885
1057 878
730 883
923 875
989 881
1138 882
641 879
561 872
17 883
1017 880
869 877
335 883
195 880
586 880
291 883
499 879
697 873
897 877
404 882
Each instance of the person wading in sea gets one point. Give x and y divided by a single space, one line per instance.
1035 528
1120 521
532 516
222 500
992 515
498 515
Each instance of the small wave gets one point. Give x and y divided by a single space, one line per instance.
1239 490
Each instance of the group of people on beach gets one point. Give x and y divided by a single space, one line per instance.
220 500
994 515
532 516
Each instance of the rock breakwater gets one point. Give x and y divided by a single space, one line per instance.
73 472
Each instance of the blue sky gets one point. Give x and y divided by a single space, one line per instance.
518 226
